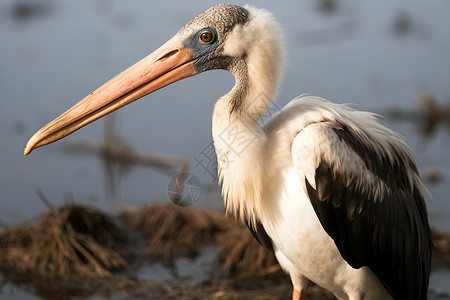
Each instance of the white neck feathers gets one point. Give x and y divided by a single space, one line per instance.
258 42
237 137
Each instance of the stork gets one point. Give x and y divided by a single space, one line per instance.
333 193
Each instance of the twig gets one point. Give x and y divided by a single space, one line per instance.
44 199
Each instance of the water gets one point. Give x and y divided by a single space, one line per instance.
378 55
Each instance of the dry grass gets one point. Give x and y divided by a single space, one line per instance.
172 231
80 240
17 237
441 251
240 253
69 240
55 256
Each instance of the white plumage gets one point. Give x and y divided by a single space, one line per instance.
332 192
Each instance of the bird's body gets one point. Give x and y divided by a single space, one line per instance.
283 207
332 192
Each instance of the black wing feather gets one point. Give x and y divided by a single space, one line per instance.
390 235
260 234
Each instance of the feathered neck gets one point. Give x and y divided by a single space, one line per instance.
257 66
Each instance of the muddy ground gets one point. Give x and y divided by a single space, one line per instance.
78 251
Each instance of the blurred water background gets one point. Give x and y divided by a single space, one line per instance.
389 57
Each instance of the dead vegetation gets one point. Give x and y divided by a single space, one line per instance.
77 251
69 240
240 254
172 231
441 251
429 115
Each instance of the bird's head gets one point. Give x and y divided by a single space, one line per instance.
243 40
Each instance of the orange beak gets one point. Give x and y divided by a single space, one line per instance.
170 63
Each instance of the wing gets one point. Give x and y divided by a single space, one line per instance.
366 193
260 234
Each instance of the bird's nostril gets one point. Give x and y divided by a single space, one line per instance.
168 54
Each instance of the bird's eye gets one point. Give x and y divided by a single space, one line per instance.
206 37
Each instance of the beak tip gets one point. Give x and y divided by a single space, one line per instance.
31 145
27 150
173 62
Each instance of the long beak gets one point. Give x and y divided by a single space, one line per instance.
170 63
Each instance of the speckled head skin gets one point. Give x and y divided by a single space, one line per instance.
242 40
220 19
247 42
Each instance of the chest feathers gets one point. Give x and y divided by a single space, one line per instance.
238 144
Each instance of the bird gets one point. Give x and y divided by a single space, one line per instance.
333 193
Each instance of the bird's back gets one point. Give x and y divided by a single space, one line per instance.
364 187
